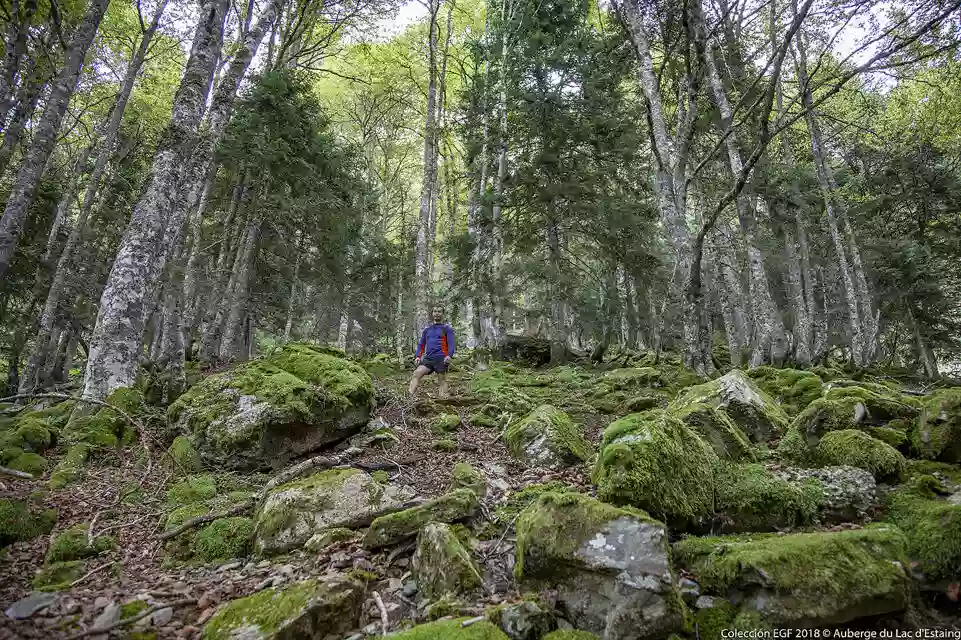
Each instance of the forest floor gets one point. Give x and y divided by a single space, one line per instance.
122 497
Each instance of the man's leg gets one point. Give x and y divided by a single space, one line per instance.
419 373
442 385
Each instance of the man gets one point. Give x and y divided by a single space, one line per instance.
434 352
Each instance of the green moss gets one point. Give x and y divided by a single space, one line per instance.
570 634
452 630
106 427
192 489
380 476
712 621
71 467
563 440
792 388
467 477
894 437
950 472
858 449
224 539
932 526
185 456
444 445
937 435
820 572
19 522
441 564
756 413
445 423
267 610
132 608
71 544
553 528
751 498
456 505
717 429
507 511
59 575
34 432
653 461
327 537
480 419
344 382
31 463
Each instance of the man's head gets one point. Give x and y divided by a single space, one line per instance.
437 313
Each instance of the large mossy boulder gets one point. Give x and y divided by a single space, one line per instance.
749 497
857 449
392 528
609 567
442 565
757 414
717 429
263 413
794 389
295 511
932 523
847 493
937 435
803 579
307 610
547 437
21 521
653 461
854 407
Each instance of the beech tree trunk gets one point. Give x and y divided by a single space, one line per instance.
31 170
233 343
14 47
116 343
422 256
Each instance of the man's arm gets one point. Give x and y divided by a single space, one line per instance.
420 347
451 348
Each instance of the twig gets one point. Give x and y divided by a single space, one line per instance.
93 523
500 435
122 623
470 621
501 539
15 473
129 524
90 573
210 517
384 621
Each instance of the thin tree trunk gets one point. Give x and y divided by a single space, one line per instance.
116 342
422 256
28 178
14 47
26 104
231 346
293 288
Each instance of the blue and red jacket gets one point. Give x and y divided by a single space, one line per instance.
436 342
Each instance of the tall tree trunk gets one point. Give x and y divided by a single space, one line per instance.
116 342
28 95
422 256
28 178
232 345
293 288
14 47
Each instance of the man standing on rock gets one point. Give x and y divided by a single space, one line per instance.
434 352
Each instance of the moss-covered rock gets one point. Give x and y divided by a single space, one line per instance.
57 576
307 610
464 476
653 461
794 389
804 579
896 437
33 433
507 511
459 504
441 564
857 449
103 426
931 524
320 541
717 429
293 512
751 409
20 521
444 444
184 455
224 539
192 489
29 462
524 620
571 634
445 423
451 630
610 567
71 467
264 413
751 498
72 544
547 437
852 407
937 435
847 493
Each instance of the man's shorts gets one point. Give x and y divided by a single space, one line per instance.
436 365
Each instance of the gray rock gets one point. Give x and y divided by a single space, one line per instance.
441 564
162 617
849 492
525 621
610 568
292 513
758 415
109 616
26 607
